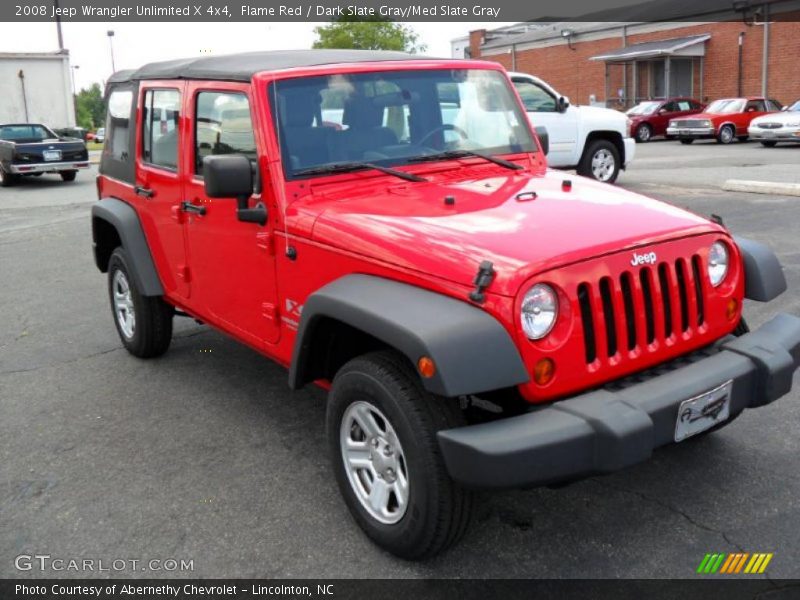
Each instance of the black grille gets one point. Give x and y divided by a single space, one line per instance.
643 306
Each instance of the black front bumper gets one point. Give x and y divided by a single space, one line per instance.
603 431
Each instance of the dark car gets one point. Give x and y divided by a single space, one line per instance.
651 117
32 149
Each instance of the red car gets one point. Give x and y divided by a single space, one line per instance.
724 120
651 117
478 320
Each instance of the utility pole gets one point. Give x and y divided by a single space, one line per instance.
110 34
58 27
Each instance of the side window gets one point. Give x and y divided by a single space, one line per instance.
756 105
696 106
117 140
670 107
222 126
535 98
160 128
684 105
774 105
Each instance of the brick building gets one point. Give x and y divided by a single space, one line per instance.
620 63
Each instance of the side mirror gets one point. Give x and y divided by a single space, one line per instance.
563 104
231 176
544 138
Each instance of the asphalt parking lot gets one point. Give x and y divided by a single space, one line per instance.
205 455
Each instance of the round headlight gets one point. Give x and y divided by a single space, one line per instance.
539 311
717 263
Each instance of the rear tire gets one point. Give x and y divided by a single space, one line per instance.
600 161
686 141
68 175
769 144
144 323
393 479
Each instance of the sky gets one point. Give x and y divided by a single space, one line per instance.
138 43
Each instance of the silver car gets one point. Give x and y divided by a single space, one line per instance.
777 127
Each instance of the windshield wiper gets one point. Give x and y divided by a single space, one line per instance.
347 167
466 153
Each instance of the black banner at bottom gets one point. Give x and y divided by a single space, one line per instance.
405 589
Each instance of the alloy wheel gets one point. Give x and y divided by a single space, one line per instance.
603 165
123 304
374 462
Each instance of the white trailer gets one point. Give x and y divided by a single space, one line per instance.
36 88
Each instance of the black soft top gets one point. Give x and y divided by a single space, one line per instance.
242 67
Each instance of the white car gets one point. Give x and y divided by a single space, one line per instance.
777 127
595 141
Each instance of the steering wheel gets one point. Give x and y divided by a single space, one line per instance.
443 127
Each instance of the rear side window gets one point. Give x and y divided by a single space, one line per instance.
160 128
222 126
118 124
756 105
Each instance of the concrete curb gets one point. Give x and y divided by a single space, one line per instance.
762 187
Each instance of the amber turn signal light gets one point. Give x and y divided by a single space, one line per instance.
426 367
543 371
732 309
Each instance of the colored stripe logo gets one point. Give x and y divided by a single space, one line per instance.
735 563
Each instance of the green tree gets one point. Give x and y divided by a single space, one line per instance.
90 107
360 33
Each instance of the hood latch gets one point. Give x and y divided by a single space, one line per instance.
482 280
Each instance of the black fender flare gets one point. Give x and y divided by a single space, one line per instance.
764 279
123 218
472 351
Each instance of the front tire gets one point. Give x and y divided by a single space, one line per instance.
687 141
144 323
7 179
769 144
69 175
644 133
600 161
381 426
726 134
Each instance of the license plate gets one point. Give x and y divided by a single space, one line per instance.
51 155
767 134
703 412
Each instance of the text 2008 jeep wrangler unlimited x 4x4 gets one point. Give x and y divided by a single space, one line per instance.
385 226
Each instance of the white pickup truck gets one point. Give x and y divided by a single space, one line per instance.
594 141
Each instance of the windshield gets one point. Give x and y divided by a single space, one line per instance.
390 118
726 107
644 108
26 133
794 107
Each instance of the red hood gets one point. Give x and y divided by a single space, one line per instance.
410 226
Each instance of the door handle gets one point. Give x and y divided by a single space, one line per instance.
187 206
143 191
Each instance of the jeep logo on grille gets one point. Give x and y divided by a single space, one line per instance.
649 258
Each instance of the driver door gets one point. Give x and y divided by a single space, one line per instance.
562 128
232 262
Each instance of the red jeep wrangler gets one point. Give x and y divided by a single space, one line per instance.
386 227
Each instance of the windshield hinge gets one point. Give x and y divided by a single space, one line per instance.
482 280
